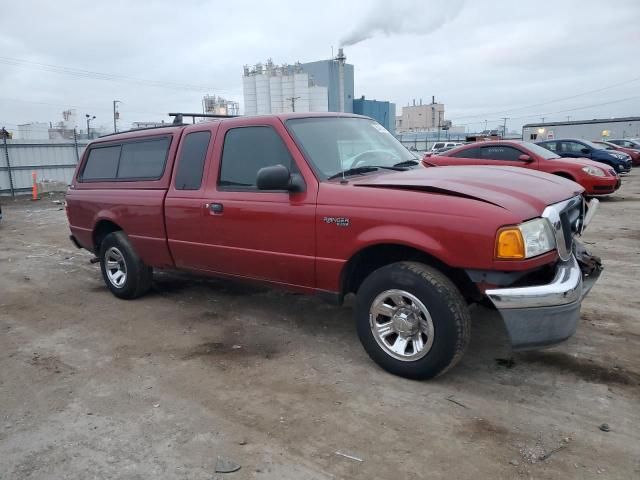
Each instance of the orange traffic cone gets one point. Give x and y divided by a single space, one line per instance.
34 189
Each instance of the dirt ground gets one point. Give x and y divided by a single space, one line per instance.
158 388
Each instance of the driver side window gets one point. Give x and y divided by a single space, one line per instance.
500 152
573 147
248 149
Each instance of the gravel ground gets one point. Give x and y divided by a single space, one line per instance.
96 387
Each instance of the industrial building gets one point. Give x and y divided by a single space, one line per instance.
381 111
66 129
284 88
33 131
216 105
337 75
419 117
322 86
596 129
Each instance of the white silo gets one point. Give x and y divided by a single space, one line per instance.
263 96
288 92
275 84
301 91
249 90
318 99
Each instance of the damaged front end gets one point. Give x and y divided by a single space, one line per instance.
541 315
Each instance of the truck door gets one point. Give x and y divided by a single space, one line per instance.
265 235
184 211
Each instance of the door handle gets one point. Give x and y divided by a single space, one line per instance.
215 208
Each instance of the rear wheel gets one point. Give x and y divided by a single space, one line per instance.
412 320
124 273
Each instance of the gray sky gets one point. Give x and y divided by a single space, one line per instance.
483 60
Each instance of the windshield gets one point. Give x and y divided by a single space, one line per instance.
334 144
595 146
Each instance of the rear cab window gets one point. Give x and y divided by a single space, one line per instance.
136 159
192 159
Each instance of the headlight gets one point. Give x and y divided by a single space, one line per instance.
593 171
526 240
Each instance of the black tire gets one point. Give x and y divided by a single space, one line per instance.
138 276
446 306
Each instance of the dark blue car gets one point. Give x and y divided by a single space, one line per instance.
572 148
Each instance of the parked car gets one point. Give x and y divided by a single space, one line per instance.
634 154
626 142
571 148
331 204
595 178
440 145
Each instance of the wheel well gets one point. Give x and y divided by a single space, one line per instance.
101 230
565 175
366 261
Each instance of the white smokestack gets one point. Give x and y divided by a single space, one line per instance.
341 59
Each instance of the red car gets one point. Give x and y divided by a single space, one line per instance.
332 204
632 152
594 177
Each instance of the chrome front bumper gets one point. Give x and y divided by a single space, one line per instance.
542 315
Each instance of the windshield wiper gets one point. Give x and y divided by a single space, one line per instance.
353 171
364 169
407 163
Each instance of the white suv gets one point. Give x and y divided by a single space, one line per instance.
440 145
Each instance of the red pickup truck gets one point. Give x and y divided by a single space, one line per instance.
333 204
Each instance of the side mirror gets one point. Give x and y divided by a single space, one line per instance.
278 177
585 150
525 158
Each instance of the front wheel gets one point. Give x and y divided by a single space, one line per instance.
412 320
123 271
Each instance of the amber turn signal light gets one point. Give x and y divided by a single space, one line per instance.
509 244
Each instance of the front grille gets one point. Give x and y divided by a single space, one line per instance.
566 219
571 218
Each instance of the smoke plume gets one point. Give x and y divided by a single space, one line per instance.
403 16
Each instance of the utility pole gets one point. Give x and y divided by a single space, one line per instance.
568 118
116 115
89 118
293 103
485 125
504 128
5 134
543 119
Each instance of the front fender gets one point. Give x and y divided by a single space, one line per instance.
399 235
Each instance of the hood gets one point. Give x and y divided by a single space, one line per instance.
611 155
523 192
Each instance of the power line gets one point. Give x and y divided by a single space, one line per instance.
77 72
553 101
79 107
546 114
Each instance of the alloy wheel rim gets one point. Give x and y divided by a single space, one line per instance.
115 267
401 325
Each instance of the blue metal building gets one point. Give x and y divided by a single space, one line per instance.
382 112
326 73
